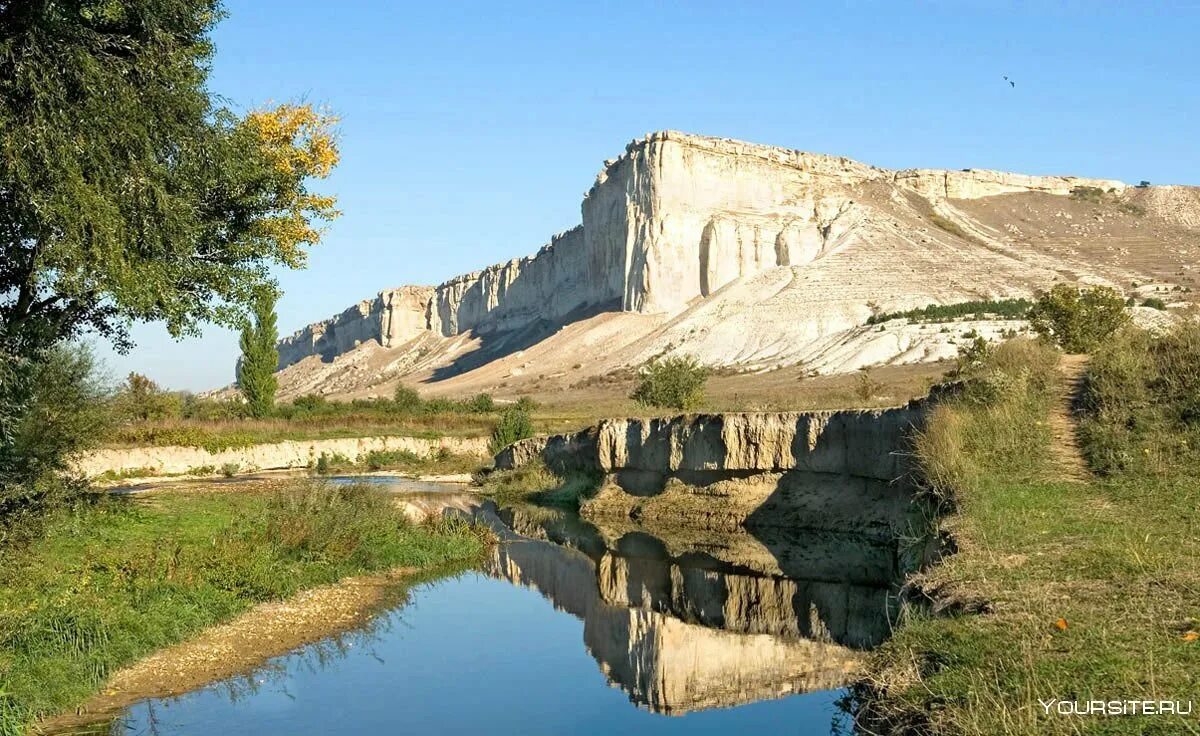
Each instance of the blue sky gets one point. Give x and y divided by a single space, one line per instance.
470 131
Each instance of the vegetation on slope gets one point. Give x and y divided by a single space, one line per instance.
987 308
1060 590
110 582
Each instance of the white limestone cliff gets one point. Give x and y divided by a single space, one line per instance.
678 218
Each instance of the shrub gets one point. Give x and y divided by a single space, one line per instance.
1078 319
865 386
406 400
230 469
50 408
323 464
380 459
671 383
1141 402
313 403
481 404
141 399
1155 303
514 425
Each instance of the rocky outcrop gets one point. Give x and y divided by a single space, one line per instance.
678 218
843 470
392 318
180 460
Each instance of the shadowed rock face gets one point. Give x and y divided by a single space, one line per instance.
684 621
833 470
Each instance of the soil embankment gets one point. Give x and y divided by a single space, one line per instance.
182 460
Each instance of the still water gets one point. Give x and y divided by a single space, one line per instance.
573 628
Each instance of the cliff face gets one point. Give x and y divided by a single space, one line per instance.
754 255
392 318
843 471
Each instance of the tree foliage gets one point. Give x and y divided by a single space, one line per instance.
1078 320
671 383
260 358
126 192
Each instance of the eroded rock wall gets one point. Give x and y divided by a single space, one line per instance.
835 470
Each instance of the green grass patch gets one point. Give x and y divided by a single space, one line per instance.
993 308
108 583
1074 591
534 483
1141 403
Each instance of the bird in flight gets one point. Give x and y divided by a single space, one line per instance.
1009 81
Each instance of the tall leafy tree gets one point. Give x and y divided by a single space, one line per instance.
260 358
127 193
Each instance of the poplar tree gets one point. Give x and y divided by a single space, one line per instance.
260 358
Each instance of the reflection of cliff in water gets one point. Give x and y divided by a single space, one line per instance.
682 622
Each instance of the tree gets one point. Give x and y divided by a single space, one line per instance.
1078 319
126 193
671 383
260 358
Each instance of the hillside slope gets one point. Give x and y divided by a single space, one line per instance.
753 257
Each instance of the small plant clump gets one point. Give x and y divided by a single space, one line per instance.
671 383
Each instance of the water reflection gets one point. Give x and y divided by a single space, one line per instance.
684 624
683 620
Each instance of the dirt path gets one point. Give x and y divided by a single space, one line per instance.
265 631
1065 441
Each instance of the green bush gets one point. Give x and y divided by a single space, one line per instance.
1155 303
514 425
1141 403
481 404
50 408
1078 320
380 459
407 400
671 383
141 399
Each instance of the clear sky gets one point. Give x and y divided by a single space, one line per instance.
471 131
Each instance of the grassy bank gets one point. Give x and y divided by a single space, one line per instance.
1074 591
536 484
108 583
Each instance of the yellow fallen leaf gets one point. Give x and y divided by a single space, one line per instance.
1191 636
1061 624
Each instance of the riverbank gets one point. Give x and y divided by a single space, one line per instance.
431 456
110 583
1066 587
